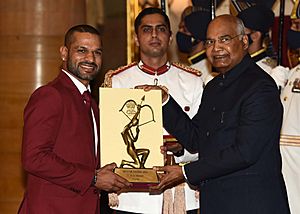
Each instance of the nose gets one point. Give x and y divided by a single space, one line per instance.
217 45
90 57
154 33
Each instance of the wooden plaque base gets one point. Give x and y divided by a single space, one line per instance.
142 179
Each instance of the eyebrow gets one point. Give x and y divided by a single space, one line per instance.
226 36
159 25
84 47
220 36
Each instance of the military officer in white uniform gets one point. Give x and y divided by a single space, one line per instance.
153 37
290 138
290 132
258 20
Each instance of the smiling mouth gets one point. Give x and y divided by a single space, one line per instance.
220 57
87 66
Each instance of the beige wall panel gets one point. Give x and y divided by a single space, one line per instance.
11 181
40 17
10 139
9 207
31 34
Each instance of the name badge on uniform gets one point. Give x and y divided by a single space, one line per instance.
296 86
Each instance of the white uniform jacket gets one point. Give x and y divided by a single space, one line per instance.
290 138
268 65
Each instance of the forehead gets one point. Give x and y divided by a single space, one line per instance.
86 39
221 27
153 20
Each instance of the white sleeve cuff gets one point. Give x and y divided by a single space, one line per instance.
186 157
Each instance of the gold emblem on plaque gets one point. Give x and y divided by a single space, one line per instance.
130 133
134 170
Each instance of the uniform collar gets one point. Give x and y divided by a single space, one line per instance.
259 55
152 71
197 57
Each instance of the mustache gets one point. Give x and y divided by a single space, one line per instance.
88 63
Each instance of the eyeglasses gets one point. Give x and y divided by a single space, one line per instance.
222 40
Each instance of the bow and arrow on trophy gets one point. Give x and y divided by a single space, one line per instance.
136 113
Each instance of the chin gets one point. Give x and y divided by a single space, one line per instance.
88 76
218 66
221 69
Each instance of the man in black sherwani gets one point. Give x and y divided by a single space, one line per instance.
236 131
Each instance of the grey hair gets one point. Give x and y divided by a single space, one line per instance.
240 26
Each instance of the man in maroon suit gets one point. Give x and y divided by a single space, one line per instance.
60 148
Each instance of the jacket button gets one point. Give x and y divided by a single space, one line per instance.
213 108
221 84
207 134
186 108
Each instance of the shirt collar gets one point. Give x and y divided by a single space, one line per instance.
152 71
81 87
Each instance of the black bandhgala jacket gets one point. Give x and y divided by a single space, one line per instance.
236 133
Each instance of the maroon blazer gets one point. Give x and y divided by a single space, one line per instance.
58 151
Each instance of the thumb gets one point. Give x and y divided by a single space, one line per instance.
110 166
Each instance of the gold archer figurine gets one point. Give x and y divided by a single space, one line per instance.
130 134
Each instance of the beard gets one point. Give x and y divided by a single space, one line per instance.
156 52
75 70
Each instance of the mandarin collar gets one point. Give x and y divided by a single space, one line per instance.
152 71
235 72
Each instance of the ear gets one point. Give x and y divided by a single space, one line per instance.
255 36
63 53
245 42
170 38
136 40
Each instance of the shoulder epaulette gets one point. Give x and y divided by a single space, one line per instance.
187 68
109 74
270 62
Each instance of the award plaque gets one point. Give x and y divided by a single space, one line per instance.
131 134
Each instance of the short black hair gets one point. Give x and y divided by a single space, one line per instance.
81 29
148 11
